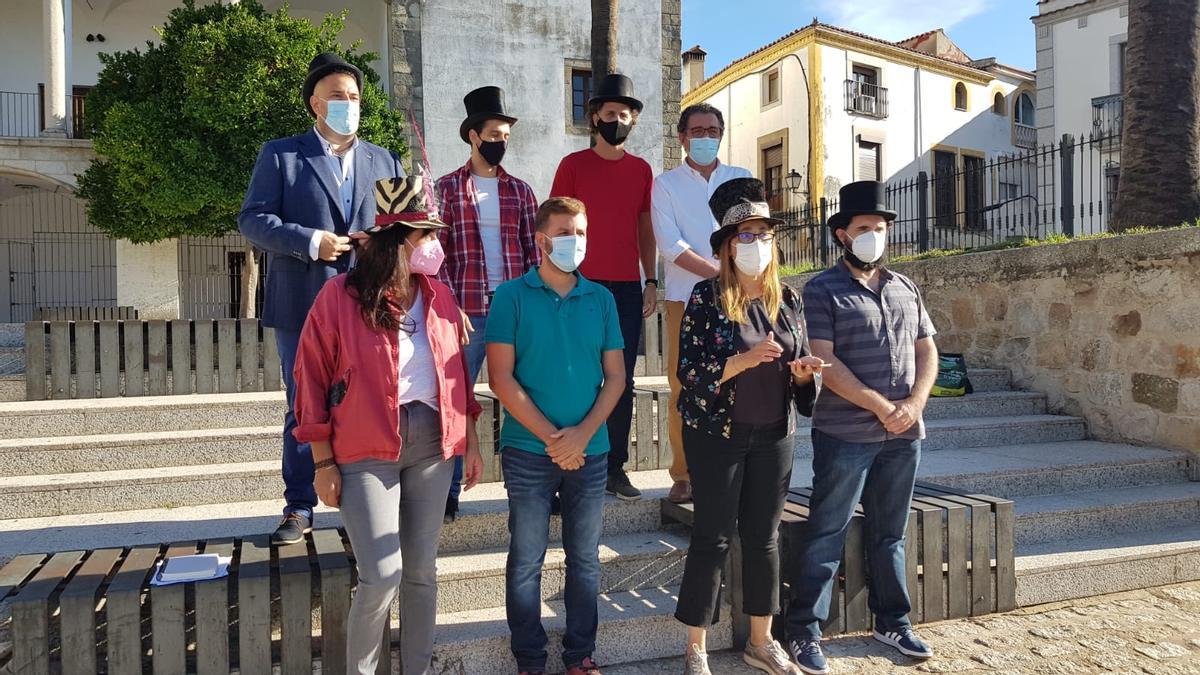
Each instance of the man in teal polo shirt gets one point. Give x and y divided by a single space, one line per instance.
554 354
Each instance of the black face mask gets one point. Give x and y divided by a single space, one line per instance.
855 261
492 151
614 133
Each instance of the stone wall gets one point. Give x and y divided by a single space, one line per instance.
1109 329
56 158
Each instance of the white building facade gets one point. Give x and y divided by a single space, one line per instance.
837 106
431 53
1081 87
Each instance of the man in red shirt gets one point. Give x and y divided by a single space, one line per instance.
491 215
615 187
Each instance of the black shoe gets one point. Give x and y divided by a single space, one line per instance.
451 510
905 641
291 530
556 505
620 487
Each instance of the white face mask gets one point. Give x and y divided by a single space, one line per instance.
342 116
567 252
753 259
869 246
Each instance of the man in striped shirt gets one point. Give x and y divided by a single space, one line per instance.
871 324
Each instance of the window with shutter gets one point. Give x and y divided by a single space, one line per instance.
772 162
868 161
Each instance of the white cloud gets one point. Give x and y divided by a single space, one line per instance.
898 19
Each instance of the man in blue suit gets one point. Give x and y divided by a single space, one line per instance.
307 194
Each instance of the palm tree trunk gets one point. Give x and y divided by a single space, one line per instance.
604 38
1160 145
249 282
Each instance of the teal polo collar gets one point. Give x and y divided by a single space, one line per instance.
582 285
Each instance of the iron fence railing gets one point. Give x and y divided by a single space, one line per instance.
1064 188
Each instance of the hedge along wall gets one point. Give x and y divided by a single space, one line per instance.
1108 328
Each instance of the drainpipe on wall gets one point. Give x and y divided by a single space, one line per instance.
918 145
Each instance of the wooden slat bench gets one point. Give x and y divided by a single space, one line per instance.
958 563
121 313
89 359
84 612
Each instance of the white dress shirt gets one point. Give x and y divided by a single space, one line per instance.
342 169
683 221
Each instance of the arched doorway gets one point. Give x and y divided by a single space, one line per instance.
50 256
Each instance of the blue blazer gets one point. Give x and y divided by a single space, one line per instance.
293 194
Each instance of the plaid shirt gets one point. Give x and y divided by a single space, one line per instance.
465 270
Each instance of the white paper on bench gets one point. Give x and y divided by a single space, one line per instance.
185 568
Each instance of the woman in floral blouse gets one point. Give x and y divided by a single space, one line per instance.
743 364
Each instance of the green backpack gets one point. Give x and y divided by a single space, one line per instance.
952 377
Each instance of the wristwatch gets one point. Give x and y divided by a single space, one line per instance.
652 281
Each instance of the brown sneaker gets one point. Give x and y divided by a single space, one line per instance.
681 492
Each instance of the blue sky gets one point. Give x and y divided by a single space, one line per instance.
729 30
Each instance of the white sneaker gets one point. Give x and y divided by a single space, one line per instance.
770 658
696 662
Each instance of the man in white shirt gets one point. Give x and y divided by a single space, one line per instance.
682 226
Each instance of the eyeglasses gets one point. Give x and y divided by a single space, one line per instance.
749 237
705 132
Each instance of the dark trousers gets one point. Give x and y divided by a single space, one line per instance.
532 479
881 475
628 295
298 469
741 484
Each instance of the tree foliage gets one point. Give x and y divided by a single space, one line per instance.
177 126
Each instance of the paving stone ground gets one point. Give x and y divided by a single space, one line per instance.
1151 632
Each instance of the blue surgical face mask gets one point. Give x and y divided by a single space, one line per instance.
567 252
703 151
342 116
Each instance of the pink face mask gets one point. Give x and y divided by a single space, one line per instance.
427 258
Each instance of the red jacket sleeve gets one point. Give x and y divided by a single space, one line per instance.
316 362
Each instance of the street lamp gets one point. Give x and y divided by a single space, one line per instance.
793 179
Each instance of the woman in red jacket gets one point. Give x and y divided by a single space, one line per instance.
382 396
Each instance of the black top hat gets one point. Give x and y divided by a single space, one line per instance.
484 103
407 201
617 88
734 202
861 198
324 64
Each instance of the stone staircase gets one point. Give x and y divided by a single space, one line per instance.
1091 517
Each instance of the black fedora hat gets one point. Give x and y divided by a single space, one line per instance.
861 198
324 64
733 203
484 103
616 88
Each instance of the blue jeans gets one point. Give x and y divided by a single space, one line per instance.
475 351
628 296
298 489
532 480
881 475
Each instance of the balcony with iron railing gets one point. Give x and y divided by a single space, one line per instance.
864 98
21 115
1107 112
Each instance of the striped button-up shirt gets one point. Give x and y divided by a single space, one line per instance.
875 336
465 269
